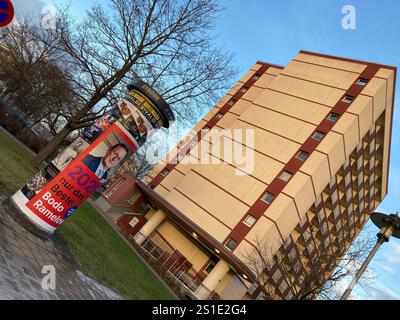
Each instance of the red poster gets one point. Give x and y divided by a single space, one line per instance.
73 186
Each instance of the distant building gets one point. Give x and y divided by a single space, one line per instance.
322 128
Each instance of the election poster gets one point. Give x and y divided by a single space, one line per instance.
66 182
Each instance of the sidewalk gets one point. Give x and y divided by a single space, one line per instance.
22 257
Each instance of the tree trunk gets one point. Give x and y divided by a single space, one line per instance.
60 137
51 146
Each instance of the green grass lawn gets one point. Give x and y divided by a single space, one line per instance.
98 249
15 167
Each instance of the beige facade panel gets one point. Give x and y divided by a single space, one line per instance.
198 216
161 191
283 211
278 123
231 288
317 93
317 167
376 87
240 106
227 120
333 63
362 107
254 163
387 139
244 187
172 179
188 138
212 199
246 76
186 164
292 106
389 76
386 147
347 125
300 188
324 75
265 80
274 71
333 146
252 93
235 88
276 147
263 234
385 73
223 100
186 247
256 66
389 86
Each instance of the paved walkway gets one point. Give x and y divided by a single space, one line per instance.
22 257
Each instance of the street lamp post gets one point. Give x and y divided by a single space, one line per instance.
389 226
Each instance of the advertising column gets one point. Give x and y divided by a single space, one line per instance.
54 193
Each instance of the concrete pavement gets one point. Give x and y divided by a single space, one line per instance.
22 258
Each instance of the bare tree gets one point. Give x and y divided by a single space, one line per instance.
139 165
31 81
165 42
308 276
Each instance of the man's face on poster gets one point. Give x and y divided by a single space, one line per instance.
114 156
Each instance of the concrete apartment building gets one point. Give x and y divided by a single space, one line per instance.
322 132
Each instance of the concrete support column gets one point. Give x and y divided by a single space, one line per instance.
149 227
211 281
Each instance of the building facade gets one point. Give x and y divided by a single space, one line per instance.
319 134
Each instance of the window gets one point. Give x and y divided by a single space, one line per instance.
302 155
285 176
256 77
164 172
210 264
231 244
318 136
209 267
244 89
362 82
249 220
348 99
231 102
133 222
205 130
333 117
219 115
268 197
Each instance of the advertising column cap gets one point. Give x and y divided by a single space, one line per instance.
162 105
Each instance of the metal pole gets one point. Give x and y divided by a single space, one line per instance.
346 294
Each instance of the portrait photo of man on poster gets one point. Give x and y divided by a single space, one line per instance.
105 158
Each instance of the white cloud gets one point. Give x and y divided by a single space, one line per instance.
383 292
386 268
28 6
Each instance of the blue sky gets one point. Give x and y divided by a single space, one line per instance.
274 31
